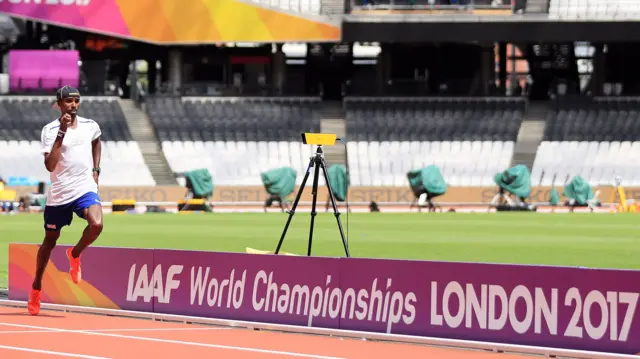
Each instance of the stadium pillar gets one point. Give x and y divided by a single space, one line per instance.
387 60
175 70
502 53
28 30
38 32
487 69
152 75
125 67
380 73
278 69
598 73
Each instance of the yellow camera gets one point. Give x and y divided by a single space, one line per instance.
320 139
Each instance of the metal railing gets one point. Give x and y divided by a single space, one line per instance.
434 5
221 90
39 85
48 86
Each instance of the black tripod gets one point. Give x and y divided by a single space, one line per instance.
316 161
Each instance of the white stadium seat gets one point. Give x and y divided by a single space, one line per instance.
597 162
234 163
386 163
594 9
122 163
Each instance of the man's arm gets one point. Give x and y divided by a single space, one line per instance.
96 151
52 156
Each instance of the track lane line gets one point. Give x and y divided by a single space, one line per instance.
49 352
111 330
157 340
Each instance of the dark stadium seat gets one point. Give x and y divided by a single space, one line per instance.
21 122
469 139
446 119
23 117
235 138
596 139
230 119
587 120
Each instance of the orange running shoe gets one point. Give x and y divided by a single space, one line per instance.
34 302
74 264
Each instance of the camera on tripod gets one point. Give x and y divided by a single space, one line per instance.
319 139
316 162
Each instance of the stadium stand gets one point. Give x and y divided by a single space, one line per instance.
302 6
236 139
470 139
23 119
594 9
598 140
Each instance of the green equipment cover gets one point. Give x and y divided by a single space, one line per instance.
515 180
579 190
200 182
279 181
554 197
339 181
427 180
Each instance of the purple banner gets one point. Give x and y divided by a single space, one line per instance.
277 289
49 69
514 304
105 273
570 308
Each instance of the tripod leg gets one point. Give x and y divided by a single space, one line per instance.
335 208
313 205
293 208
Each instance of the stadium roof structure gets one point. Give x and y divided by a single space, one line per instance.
411 28
172 23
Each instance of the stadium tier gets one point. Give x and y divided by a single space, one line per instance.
233 119
597 140
469 139
238 163
303 6
236 139
597 120
23 119
463 163
593 9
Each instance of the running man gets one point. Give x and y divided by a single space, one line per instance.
72 149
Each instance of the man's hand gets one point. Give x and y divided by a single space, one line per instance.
65 122
96 175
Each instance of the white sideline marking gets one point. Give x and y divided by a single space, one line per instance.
217 346
61 354
328 332
108 330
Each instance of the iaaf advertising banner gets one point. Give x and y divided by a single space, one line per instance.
571 308
179 22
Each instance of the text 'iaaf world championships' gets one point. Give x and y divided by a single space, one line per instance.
379 303
594 314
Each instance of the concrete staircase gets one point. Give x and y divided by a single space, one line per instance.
332 121
530 134
142 131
